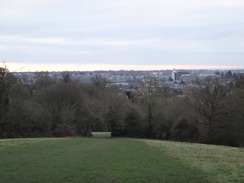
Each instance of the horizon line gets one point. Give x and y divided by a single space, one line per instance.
27 67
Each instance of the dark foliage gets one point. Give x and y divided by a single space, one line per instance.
182 131
212 112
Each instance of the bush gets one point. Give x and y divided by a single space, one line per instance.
182 131
64 130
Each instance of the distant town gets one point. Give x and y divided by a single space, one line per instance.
134 79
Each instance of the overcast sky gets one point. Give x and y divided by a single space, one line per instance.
122 34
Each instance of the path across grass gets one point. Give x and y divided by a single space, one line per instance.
78 160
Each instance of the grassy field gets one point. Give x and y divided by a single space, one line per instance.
116 160
101 134
219 163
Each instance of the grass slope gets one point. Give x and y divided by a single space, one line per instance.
96 160
220 163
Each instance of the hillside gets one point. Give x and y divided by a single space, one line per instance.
117 160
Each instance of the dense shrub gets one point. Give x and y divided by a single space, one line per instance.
64 130
182 131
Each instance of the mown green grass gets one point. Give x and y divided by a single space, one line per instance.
101 134
96 160
220 163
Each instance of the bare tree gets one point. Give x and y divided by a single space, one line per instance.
43 80
99 82
156 98
4 98
66 77
211 102
66 103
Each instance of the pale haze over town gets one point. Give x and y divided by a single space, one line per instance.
87 35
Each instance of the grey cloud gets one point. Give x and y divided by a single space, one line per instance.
122 31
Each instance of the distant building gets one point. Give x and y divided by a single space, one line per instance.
176 75
193 77
185 77
203 76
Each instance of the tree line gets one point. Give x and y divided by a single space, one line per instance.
211 112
